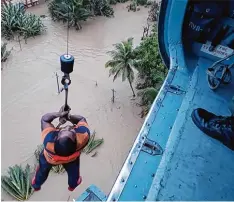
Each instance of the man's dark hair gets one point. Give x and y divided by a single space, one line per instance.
65 146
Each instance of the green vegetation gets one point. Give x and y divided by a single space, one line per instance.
134 5
92 144
75 11
149 63
146 59
154 11
4 52
38 151
113 2
101 8
72 12
151 70
141 2
122 62
18 183
15 20
147 98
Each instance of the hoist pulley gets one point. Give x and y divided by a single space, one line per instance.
67 63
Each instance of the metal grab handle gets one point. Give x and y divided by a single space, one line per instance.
212 73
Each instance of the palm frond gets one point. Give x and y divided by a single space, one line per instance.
58 169
93 143
112 63
18 184
114 69
120 48
117 74
117 55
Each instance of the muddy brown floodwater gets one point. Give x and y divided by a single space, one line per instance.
29 90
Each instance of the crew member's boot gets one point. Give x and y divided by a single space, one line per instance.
218 127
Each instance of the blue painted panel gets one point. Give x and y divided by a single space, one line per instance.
92 194
145 166
206 164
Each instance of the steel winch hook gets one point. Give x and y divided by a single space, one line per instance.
66 80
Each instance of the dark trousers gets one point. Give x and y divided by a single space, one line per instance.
72 168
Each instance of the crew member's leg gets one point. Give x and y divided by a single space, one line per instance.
42 172
231 106
218 127
73 171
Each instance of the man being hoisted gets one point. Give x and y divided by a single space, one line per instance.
62 146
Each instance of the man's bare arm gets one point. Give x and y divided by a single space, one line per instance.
49 117
76 118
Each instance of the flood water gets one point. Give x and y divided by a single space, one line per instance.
29 90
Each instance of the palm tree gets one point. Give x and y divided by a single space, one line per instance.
122 62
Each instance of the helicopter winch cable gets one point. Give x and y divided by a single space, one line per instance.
67 63
67 26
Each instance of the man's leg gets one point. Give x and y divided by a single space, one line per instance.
42 172
73 171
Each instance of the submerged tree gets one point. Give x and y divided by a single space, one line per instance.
132 6
101 8
16 20
122 62
141 2
71 11
75 11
